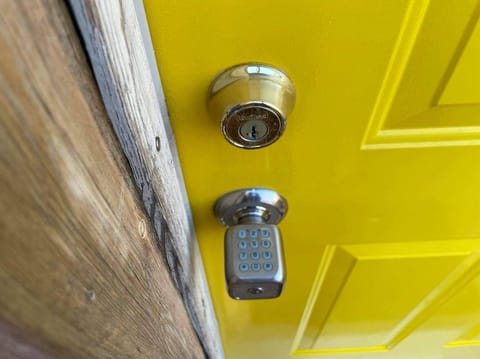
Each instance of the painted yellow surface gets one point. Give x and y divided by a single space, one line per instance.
380 164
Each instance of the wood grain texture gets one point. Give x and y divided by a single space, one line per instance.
116 36
80 267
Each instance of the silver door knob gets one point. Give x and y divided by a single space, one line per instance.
250 205
251 102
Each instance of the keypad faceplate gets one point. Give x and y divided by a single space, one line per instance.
255 249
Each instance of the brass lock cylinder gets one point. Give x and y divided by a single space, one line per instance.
251 102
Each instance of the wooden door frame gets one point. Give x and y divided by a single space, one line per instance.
118 43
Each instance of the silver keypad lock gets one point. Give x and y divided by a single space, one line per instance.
251 102
254 259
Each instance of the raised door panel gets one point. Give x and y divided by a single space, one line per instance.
430 95
390 297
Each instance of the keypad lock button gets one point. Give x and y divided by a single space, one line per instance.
268 266
265 233
256 267
253 244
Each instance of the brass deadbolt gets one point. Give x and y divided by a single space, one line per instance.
251 102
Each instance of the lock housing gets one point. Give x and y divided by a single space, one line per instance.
254 258
251 102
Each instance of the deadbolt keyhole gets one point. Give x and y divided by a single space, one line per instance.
253 130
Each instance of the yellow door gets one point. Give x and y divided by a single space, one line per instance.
380 164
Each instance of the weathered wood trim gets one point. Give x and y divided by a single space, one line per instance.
81 272
116 36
